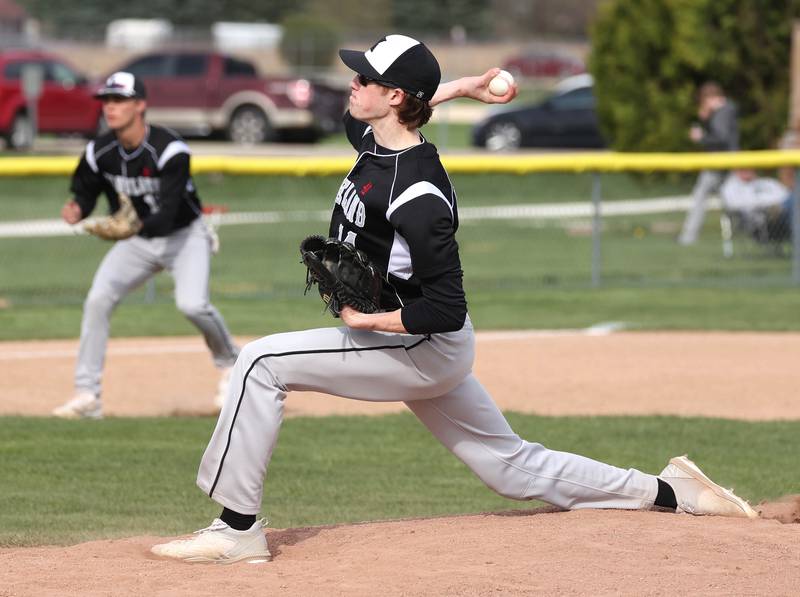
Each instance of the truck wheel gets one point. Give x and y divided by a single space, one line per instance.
21 134
249 126
503 136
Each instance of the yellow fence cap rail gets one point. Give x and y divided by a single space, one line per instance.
272 165
616 162
37 166
472 163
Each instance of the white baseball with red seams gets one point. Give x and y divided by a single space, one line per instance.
501 83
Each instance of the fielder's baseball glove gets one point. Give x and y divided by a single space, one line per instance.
343 274
123 223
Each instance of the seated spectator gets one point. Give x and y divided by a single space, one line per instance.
764 204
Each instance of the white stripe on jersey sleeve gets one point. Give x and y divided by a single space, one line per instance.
417 189
400 258
90 159
171 151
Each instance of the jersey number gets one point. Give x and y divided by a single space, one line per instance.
151 202
351 236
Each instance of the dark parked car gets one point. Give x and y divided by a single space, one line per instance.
66 104
204 92
566 119
544 64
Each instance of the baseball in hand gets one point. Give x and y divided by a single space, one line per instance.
501 83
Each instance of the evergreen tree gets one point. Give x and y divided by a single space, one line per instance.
648 58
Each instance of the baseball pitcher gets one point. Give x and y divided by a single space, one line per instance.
396 213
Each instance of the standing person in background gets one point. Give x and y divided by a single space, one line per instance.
150 165
398 205
717 130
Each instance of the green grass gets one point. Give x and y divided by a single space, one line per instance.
518 273
66 482
764 309
42 197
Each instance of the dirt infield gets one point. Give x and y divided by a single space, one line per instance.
539 552
521 553
732 375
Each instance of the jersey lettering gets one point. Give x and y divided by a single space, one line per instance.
352 207
135 186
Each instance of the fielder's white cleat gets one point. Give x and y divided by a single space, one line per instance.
220 544
222 387
84 405
697 494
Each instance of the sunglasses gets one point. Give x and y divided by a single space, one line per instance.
364 80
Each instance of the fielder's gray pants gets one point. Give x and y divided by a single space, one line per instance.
186 254
708 183
432 375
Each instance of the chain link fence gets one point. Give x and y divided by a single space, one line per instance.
542 229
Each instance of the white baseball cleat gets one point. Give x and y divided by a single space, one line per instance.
220 544
222 387
697 494
84 405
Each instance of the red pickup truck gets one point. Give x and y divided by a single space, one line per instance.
66 103
203 93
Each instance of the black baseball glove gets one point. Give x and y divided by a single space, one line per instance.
343 274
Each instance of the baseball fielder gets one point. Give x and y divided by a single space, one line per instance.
146 166
397 205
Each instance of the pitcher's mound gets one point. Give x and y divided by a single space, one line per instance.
534 552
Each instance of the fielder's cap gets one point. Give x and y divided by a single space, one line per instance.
122 84
398 61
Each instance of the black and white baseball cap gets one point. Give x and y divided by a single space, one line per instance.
398 61
122 84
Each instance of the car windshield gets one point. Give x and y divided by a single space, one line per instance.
149 66
579 99
191 65
238 68
13 70
61 73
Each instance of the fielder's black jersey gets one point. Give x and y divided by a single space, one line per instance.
399 207
155 176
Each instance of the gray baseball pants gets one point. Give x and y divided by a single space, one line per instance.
708 183
432 375
186 254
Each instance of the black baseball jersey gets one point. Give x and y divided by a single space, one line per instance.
399 207
155 176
